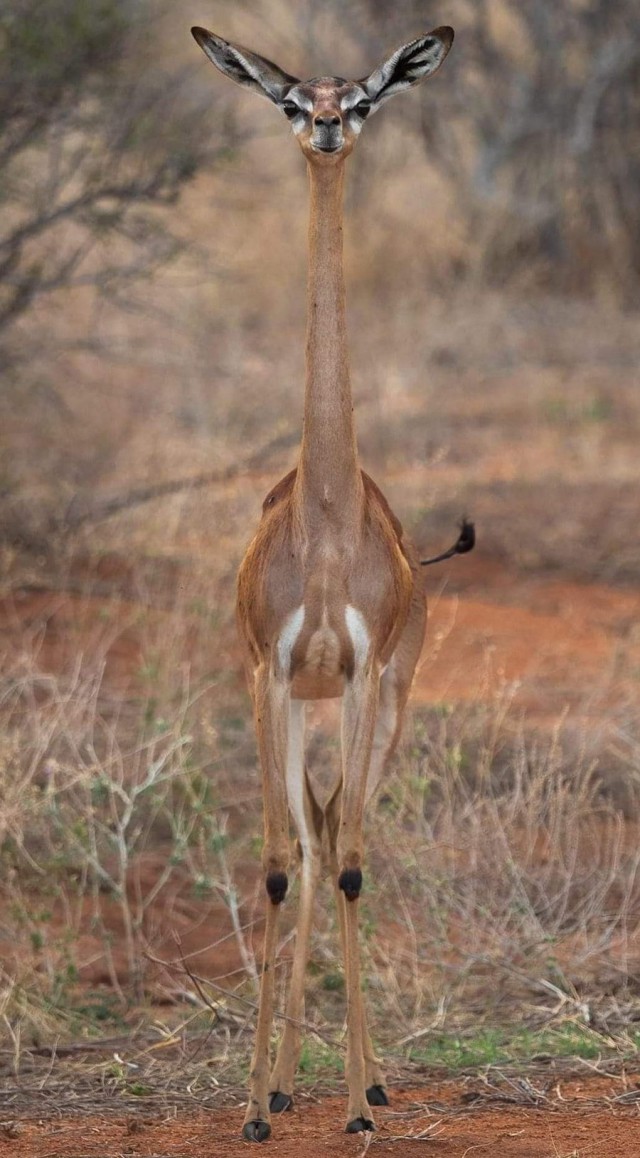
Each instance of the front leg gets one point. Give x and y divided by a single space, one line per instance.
358 722
272 706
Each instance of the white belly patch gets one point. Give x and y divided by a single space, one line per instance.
358 634
288 637
323 650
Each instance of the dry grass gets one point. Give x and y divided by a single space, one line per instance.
519 866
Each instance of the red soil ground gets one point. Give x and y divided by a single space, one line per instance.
586 1121
552 644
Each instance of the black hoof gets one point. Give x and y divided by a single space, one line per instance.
279 1103
377 1096
360 1126
256 1131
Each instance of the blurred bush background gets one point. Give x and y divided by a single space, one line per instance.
153 218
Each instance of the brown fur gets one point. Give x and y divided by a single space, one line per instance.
328 543
330 599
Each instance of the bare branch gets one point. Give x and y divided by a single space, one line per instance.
614 56
78 513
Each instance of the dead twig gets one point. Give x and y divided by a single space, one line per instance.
199 983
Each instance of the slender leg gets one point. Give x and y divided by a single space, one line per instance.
387 731
283 1074
394 691
272 702
358 722
308 820
375 1082
374 1075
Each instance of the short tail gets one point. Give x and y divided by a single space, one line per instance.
466 541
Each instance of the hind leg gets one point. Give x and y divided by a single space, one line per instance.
395 685
308 820
385 738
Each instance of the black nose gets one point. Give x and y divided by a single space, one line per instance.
326 120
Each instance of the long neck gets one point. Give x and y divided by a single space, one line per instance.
328 473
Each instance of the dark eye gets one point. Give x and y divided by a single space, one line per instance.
363 108
290 109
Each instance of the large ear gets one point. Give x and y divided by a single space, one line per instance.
408 65
246 68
